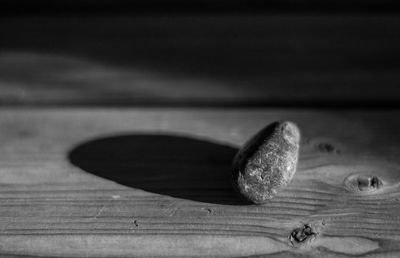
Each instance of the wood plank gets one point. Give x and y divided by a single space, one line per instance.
59 194
206 60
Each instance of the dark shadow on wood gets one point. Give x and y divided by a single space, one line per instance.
180 167
282 60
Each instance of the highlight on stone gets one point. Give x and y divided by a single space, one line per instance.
267 162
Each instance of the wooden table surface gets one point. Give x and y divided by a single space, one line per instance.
128 182
92 165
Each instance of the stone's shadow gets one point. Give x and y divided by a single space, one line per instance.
176 166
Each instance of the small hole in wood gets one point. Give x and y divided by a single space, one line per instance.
375 182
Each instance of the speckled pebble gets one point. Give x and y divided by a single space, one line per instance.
267 162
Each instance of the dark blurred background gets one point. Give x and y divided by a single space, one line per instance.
289 53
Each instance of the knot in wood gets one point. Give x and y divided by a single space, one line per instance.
301 234
362 183
326 147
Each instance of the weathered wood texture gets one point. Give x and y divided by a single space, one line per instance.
275 59
56 199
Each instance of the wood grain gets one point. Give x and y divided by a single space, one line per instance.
206 60
52 207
